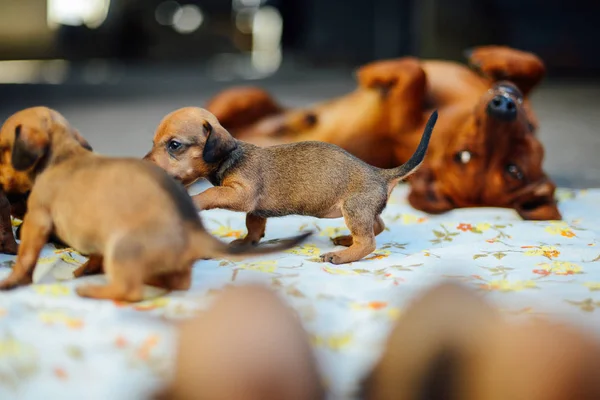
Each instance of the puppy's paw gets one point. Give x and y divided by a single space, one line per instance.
332 258
345 240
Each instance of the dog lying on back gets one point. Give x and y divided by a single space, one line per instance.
485 152
308 178
128 215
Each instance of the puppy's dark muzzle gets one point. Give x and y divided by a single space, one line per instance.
505 103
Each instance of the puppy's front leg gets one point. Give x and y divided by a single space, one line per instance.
226 197
37 226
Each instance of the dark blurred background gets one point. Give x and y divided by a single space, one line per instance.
115 67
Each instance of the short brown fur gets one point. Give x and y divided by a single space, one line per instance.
100 206
308 178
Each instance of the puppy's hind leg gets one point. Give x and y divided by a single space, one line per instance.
124 273
346 240
256 230
360 221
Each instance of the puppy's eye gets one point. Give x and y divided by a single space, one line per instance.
514 172
463 157
173 145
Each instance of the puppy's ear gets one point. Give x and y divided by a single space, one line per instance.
29 146
219 143
84 143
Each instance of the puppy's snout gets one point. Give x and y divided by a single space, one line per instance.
502 107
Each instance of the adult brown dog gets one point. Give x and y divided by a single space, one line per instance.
308 178
133 220
485 152
13 197
451 345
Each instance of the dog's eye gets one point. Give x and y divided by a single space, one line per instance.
174 145
462 157
514 171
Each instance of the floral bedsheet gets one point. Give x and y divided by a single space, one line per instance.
54 344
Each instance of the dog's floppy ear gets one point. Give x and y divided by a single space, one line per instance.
219 143
29 146
81 140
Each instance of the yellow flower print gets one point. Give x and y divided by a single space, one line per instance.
16 222
546 251
269 266
12 347
372 305
560 228
52 318
305 250
410 219
593 286
339 271
226 232
332 232
378 255
482 227
504 285
558 268
54 290
333 342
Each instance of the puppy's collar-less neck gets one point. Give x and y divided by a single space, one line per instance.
226 165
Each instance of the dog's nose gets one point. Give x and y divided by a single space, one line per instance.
503 108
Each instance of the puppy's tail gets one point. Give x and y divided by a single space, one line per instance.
406 169
204 245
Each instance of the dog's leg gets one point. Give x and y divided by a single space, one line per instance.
346 240
180 280
124 284
8 244
36 230
256 230
361 223
499 63
402 83
123 270
92 266
229 198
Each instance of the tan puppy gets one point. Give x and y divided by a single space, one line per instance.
307 178
127 214
451 345
247 346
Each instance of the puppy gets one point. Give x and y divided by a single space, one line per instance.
485 152
13 200
309 178
130 217
451 345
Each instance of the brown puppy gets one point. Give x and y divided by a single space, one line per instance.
13 198
485 152
451 345
309 178
128 215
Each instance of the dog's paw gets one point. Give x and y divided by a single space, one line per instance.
332 258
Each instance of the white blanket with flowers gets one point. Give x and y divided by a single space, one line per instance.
54 344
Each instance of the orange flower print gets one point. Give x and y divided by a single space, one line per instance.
542 272
567 233
60 373
464 227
